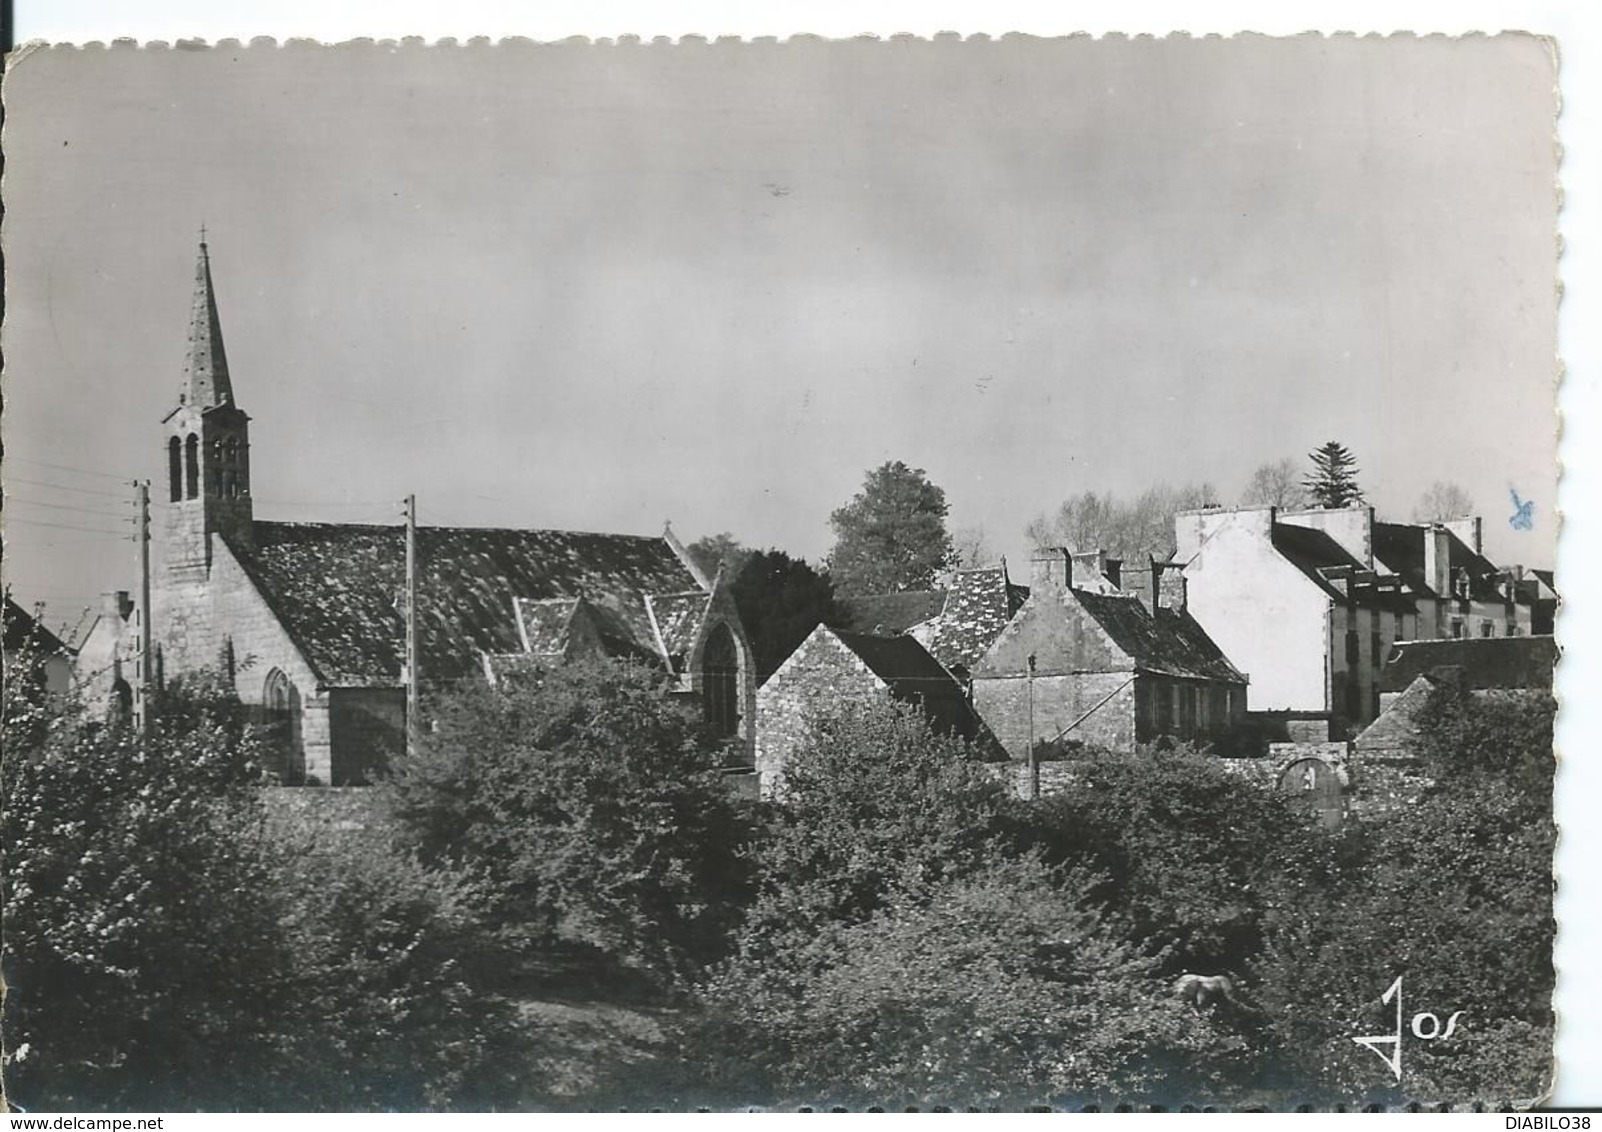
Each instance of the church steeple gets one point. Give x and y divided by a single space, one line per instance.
207 446
206 384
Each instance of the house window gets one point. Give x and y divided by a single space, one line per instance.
1487 629
1457 626
720 683
1351 648
175 468
1164 699
1376 655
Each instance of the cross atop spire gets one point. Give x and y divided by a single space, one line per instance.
206 381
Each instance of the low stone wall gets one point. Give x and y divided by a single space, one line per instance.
342 809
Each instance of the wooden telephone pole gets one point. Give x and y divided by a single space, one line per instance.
412 708
142 660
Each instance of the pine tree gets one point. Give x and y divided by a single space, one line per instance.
1333 482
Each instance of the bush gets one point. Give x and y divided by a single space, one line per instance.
587 801
1001 987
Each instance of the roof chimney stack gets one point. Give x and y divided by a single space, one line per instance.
1051 568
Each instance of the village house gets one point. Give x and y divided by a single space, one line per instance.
1486 667
307 619
1312 602
107 660
1098 657
834 667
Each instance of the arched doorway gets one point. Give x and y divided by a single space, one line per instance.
1317 785
720 682
281 707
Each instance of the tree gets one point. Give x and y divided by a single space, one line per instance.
1186 852
780 599
1333 480
712 552
1441 502
1275 485
971 548
1130 531
892 535
1453 895
589 803
170 946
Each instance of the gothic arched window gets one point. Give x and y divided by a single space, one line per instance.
192 466
281 712
175 468
720 682
232 450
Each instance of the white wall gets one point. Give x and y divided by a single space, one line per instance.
1267 616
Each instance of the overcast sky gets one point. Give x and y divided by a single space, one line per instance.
600 287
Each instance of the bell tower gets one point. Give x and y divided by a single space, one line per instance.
207 446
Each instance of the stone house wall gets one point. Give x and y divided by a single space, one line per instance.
818 677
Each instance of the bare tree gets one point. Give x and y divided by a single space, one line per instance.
1277 484
1130 530
1443 501
971 548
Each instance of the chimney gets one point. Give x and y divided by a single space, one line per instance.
1168 583
1051 568
1438 559
116 604
1471 529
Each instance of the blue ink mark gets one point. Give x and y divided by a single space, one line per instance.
1523 517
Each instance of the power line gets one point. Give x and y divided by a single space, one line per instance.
65 527
64 487
65 507
68 468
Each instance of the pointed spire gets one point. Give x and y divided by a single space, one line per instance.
206 381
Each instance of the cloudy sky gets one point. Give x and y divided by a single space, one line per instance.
600 287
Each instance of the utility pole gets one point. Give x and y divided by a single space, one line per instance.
1034 758
411 626
142 659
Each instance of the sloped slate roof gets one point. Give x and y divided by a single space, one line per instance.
1167 643
679 617
1310 549
890 613
979 605
914 676
24 630
1400 546
1484 662
337 590
546 623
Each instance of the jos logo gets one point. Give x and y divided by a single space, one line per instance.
1426 1026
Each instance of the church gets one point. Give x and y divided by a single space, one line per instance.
306 618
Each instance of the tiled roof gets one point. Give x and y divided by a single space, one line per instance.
979 605
1400 546
914 676
889 614
1482 663
1311 550
337 590
546 624
679 618
1168 643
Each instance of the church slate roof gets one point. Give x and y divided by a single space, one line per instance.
1164 643
1482 663
337 589
978 606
